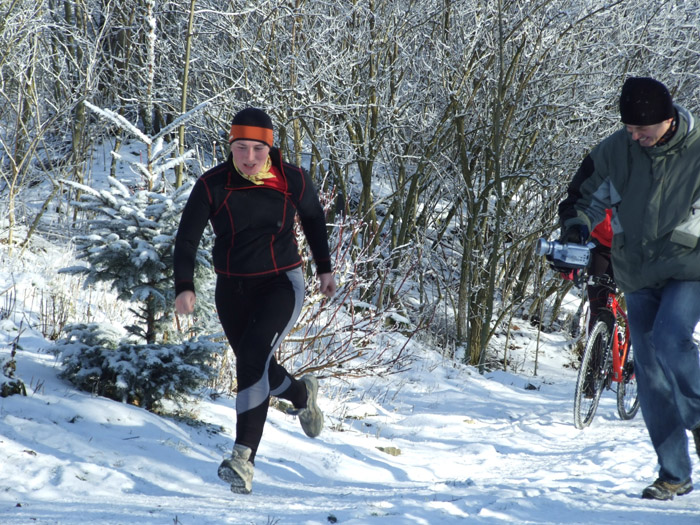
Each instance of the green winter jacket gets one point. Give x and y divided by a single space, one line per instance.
654 194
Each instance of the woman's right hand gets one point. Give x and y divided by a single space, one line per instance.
184 302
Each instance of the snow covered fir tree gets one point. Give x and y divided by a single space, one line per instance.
127 242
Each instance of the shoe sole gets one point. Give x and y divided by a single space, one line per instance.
312 388
229 475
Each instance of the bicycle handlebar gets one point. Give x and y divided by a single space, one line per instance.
602 280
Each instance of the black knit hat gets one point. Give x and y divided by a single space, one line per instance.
645 101
251 124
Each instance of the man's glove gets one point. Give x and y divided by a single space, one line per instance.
576 234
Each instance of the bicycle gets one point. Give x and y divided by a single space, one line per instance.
607 359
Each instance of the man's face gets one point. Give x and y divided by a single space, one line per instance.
648 136
249 155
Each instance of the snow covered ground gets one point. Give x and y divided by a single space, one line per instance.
436 444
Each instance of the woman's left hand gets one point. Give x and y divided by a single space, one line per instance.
327 284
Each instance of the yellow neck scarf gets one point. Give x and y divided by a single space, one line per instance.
260 176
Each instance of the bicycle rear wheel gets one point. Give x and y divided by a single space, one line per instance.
595 368
627 400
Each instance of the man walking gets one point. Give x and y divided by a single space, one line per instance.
648 173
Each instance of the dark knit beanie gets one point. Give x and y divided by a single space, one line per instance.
645 101
251 124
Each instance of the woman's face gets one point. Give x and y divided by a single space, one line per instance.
249 155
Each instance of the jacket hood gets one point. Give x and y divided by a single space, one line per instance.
686 128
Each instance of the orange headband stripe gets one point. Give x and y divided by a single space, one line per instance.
250 133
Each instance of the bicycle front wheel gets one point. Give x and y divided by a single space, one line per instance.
595 367
579 327
627 400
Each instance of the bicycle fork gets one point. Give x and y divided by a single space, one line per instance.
620 343
619 354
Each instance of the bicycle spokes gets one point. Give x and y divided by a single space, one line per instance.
593 374
607 359
627 396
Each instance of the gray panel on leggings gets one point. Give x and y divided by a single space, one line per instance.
257 394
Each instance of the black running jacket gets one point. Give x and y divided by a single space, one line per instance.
253 225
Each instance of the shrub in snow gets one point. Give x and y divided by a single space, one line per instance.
349 336
97 359
8 384
127 241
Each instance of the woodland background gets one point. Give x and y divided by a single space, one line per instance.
441 134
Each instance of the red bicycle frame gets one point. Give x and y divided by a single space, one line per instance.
620 341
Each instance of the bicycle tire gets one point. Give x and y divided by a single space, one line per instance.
579 328
627 395
592 375
579 320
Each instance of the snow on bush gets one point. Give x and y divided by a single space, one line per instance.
96 359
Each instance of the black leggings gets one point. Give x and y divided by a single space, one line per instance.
256 314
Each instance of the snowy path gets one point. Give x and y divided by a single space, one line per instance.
473 449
